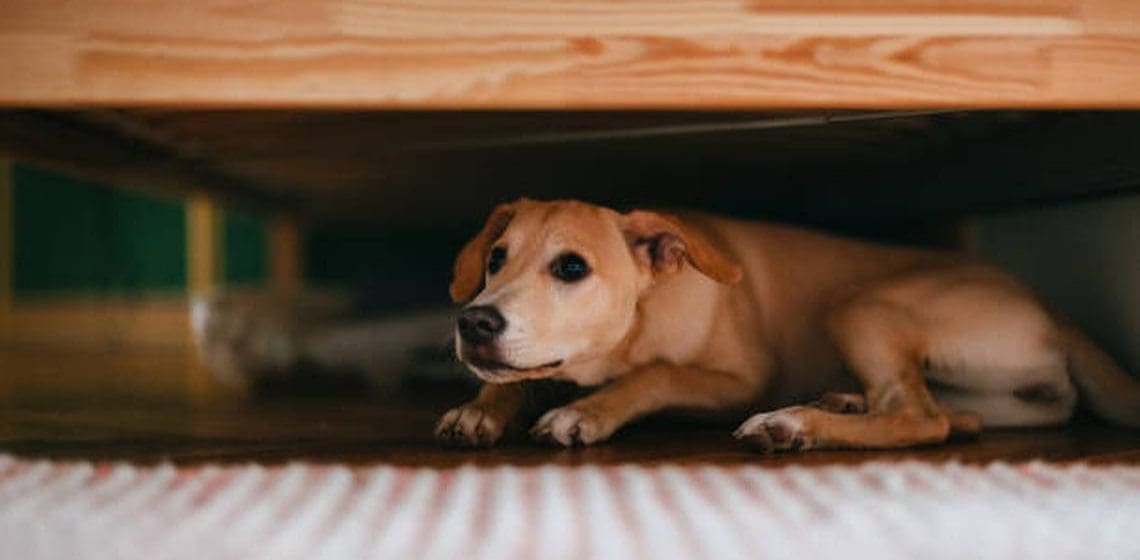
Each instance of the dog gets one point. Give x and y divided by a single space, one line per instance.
902 346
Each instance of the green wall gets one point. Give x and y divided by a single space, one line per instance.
389 267
73 236
245 255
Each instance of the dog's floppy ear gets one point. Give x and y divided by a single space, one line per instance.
468 275
663 242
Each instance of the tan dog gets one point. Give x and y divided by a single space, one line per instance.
715 314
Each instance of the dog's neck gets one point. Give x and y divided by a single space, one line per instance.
672 323
593 372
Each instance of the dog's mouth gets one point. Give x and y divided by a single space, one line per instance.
496 366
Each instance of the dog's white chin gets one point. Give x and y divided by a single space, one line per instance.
512 375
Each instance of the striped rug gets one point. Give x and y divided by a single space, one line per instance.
878 510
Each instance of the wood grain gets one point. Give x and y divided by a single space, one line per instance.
572 54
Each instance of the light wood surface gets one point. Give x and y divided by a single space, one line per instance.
90 323
92 350
571 53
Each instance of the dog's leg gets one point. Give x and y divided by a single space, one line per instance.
841 403
877 341
961 424
643 391
1013 410
482 421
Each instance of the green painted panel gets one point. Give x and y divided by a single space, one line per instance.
246 252
77 236
149 243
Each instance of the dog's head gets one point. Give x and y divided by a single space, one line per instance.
552 284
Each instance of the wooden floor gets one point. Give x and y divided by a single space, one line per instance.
398 431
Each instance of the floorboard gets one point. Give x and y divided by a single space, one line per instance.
397 430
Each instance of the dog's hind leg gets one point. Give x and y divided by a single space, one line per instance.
1027 408
961 423
974 331
877 340
1008 371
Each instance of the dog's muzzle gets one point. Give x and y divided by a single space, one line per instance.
480 325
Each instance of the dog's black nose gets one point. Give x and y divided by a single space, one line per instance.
481 324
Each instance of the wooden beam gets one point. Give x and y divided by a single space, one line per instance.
205 254
205 244
285 255
572 53
102 152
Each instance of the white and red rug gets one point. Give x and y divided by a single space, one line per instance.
55 510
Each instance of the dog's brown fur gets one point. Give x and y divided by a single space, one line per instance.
715 314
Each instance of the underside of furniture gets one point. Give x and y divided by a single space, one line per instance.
392 111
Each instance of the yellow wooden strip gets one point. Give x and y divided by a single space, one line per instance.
285 258
205 269
204 249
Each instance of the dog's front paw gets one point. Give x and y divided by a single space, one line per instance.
781 430
570 426
469 426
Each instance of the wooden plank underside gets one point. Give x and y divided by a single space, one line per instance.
572 54
98 151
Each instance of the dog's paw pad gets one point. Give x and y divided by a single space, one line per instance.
468 426
569 426
774 431
842 403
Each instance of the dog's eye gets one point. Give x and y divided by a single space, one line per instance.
497 259
569 267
